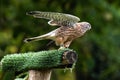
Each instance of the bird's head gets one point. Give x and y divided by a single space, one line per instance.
83 26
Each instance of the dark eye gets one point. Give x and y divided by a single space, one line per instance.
88 26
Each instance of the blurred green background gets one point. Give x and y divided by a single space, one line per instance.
98 50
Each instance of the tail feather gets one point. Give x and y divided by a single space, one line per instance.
42 37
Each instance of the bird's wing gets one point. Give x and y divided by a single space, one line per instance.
59 19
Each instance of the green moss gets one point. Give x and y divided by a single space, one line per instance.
33 60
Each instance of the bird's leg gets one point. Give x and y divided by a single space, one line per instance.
67 44
60 41
61 47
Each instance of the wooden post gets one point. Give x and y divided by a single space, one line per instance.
39 75
69 57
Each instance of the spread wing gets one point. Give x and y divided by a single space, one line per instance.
56 19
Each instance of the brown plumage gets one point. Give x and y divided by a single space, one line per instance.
63 36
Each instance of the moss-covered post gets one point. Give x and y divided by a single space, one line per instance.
39 64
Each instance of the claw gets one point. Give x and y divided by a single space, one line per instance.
61 47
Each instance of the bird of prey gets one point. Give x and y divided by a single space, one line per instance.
70 27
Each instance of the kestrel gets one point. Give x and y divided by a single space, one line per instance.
70 28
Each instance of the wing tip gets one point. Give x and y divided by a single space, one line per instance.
31 13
